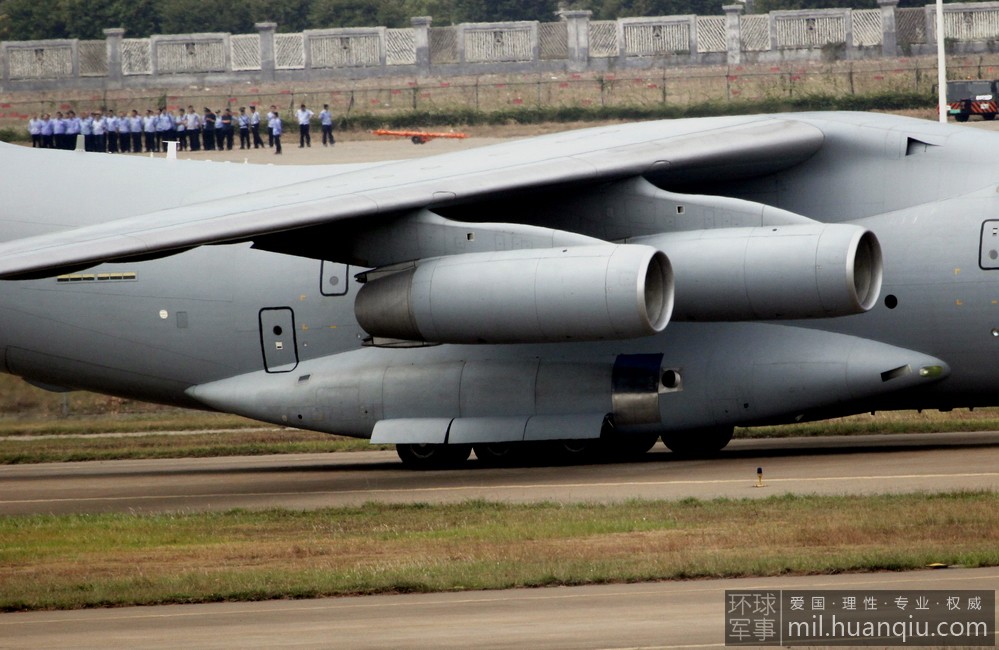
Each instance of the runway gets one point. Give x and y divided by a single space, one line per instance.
647 615
658 615
834 465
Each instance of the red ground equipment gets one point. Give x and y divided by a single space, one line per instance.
419 137
973 97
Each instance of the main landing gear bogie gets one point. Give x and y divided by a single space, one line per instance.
511 454
698 443
693 443
433 456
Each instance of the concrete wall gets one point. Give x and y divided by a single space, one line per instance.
574 44
665 86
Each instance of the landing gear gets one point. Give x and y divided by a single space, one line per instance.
566 452
631 445
433 456
501 454
697 443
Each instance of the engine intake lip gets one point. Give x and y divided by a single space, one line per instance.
658 295
866 272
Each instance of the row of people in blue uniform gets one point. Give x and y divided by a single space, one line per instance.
131 132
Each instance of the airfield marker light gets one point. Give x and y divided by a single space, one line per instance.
930 372
759 478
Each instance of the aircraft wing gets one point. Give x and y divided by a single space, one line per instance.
741 147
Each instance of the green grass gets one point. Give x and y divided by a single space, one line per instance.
238 442
122 559
539 115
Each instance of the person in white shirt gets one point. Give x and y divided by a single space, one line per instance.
48 140
304 115
111 126
135 125
244 128
274 123
193 128
326 121
100 133
124 133
180 128
35 129
255 127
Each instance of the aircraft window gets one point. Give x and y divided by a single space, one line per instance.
277 330
891 302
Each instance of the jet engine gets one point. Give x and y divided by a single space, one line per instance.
774 272
580 293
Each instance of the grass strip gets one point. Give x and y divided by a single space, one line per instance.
652 111
253 442
982 419
57 562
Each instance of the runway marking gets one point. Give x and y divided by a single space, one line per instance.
470 488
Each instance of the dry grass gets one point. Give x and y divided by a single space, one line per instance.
982 419
80 561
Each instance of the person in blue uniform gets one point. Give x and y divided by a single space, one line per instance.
275 127
124 133
111 133
58 131
48 140
87 129
243 120
193 128
73 127
149 129
326 121
135 126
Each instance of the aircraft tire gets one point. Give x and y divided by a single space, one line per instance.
432 456
573 452
631 445
698 443
500 454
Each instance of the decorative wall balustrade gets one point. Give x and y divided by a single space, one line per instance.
574 41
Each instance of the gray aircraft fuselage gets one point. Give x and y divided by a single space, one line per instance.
274 336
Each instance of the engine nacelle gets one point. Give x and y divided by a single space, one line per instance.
774 272
580 293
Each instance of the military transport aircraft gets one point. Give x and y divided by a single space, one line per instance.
573 294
